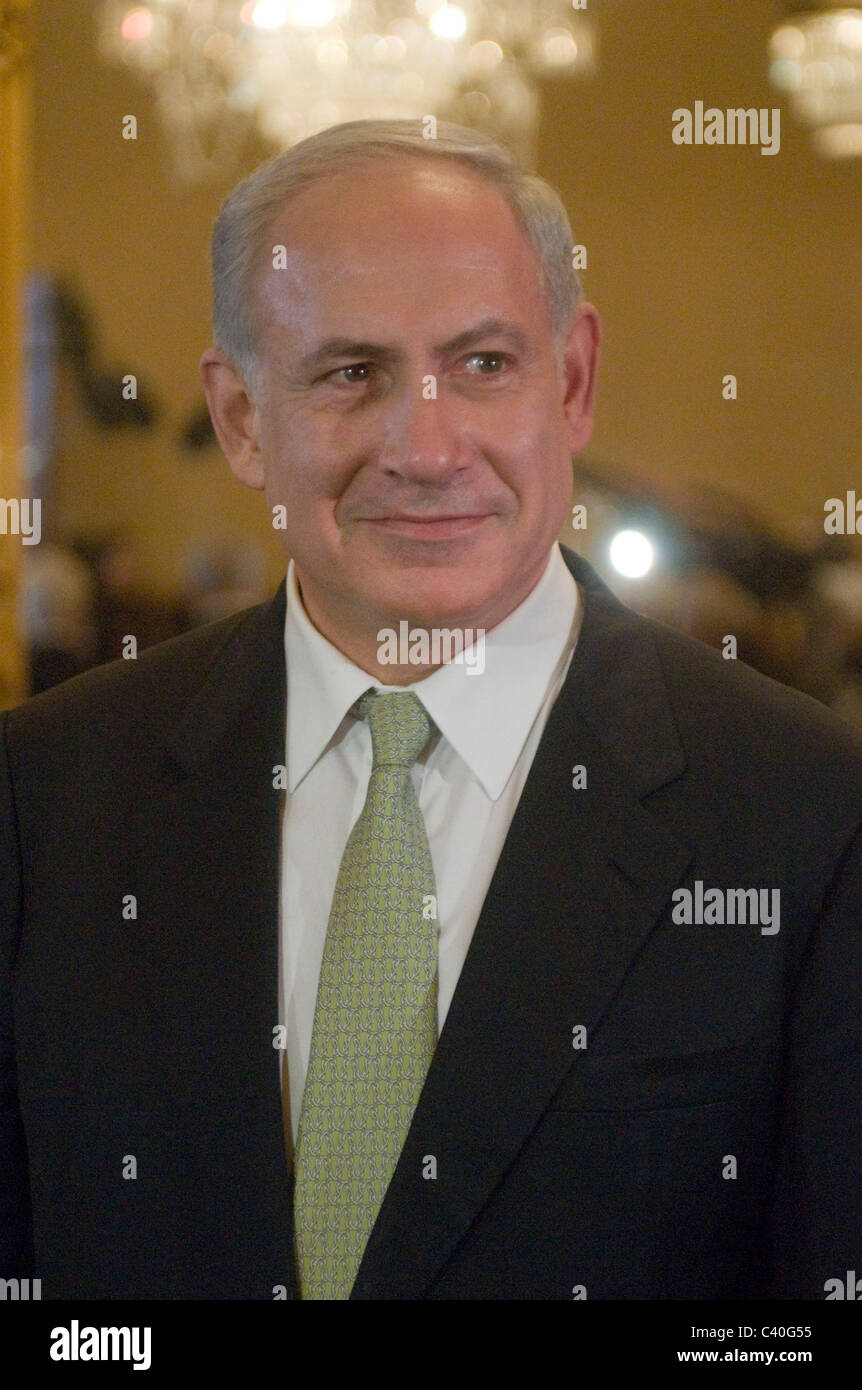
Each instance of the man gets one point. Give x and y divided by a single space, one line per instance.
553 949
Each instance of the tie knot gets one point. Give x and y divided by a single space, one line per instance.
400 726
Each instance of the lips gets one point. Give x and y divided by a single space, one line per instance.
439 527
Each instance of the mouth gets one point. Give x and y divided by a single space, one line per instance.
430 528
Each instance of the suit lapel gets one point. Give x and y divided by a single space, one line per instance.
579 885
208 845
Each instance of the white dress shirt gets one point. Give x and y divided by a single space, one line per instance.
468 780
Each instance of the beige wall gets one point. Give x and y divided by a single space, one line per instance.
702 260
706 260
110 218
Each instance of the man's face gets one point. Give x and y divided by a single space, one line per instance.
414 423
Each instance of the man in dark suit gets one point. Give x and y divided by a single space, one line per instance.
644 862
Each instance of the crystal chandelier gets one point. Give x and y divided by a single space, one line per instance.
816 58
292 67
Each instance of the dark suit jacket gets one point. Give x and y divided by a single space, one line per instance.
603 1168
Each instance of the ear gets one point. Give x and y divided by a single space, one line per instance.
578 373
234 415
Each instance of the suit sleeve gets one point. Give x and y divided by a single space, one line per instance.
16 1239
817 1226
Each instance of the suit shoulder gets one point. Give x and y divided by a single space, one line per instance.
725 700
159 681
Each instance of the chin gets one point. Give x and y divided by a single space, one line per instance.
433 599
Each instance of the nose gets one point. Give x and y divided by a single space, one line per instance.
422 439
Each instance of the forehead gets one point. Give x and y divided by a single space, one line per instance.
387 238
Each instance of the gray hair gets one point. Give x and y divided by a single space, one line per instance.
247 212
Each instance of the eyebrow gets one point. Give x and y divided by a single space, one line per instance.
352 347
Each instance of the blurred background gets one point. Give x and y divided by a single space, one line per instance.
729 282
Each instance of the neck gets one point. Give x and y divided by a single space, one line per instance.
401 652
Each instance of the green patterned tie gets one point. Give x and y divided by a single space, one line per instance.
375 1020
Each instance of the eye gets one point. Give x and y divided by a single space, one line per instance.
367 367
499 357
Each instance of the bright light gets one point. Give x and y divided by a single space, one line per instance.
848 30
269 14
485 55
558 48
312 14
839 141
786 73
448 23
788 42
136 25
631 554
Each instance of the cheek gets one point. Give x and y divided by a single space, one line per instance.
304 461
533 421
535 456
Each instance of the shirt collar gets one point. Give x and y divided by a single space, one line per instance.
486 717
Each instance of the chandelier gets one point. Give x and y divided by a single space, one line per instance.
816 58
289 68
